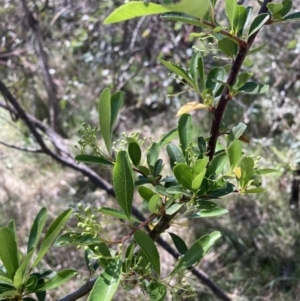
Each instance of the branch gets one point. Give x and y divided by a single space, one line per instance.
226 96
21 148
63 156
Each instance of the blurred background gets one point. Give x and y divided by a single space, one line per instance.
56 56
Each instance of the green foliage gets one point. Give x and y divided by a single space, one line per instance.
17 278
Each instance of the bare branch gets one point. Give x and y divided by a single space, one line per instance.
21 148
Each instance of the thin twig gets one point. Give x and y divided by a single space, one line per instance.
21 148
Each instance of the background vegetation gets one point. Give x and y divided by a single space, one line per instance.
57 63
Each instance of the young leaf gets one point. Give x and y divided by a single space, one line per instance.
123 182
228 47
243 77
287 6
167 138
258 23
195 65
234 153
8 252
153 154
148 247
274 8
200 165
154 204
156 291
217 164
254 88
179 243
135 153
104 111
184 175
60 278
198 180
231 11
52 234
92 159
191 106
247 171
185 131
197 251
117 101
239 20
236 132
106 285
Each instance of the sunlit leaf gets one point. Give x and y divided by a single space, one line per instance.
184 175
174 208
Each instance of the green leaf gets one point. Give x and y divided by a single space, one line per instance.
198 180
287 6
234 153
236 132
247 171
223 191
217 211
179 17
228 47
116 101
214 75
174 208
201 145
123 182
25 262
292 17
5 279
255 190
18 279
179 243
148 247
254 88
258 23
231 11
239 20
104 110
274 8
156 291
153 154
135 153
92 159
196 69
12 227
154 203
167 138
178 190
266 171
60 278
135 9
161 190
217 164
184 175
174 154
31 283
8 252
52 234
180 72
197 251
36 229
200 165
146 193
243 77
256 49
185 131
8 293
206 205
73 238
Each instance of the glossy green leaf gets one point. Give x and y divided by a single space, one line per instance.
198 180
8 251
178 190
104 110
231 11
217 164
52 234
197 251
287 6
162 190
135 9
60 278
146 193
292 17
148 247
180 72
158 166
5 279
174 208
73 238
92 159
228 47
18 278
235 153
243 77
12 227
217 211
214 77
31 283
206 205
196 69
156 291
258 23
153 154
175 154
200 165
135 153
185 131
179 17
274 8
201 145
8 293
36 229
254 88
25 261
179 243
154 203
236 132
249 10
167 138
247 171
223 191
116 103
123 182
239 20
184 175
